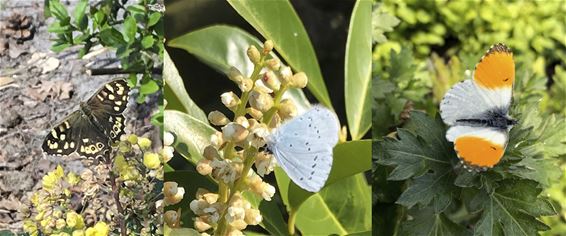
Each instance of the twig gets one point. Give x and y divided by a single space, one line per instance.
116 71
116 195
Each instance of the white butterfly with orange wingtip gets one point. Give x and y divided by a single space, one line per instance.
477 110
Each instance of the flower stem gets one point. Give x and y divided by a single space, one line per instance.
271 112
249 155
116 195
291 222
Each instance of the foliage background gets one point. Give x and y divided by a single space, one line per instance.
341 208
421 48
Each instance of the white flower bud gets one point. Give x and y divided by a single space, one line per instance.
287 109
200 225
256 114
168 138
286 75
261 101
273 64
217 118
299 80
271 81
229 99
246 85
241 120
210 153
171 218
216 139
235 75
267 47
234 132
203 167
253 54
253 217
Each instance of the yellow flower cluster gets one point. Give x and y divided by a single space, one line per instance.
236 147
151 160
54 214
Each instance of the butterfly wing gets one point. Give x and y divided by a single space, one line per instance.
63 138
303 147
480 147
107 106
491 89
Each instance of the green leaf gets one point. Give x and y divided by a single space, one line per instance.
343 208
149 87
426 222
178 93
81 21
357 83
153 19
190 131
58 47
349 158
58 10
111 37
382 22
513 209
222 47
147 41
130 29
277 20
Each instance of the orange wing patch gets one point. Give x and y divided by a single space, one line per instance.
496 68
479 152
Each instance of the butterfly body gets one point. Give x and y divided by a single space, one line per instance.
303 147
477 110
91 129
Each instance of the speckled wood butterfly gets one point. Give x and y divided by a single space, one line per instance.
91 130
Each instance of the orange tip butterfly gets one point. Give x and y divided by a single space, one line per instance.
477 110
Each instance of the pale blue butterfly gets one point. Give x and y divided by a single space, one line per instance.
303 147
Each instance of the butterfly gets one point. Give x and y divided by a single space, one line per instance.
477 110
91 129
303 147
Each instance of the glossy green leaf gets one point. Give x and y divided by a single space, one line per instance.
81 20
222 47
343 208
277 20
357 83
130 29
176 93
147 41
153 19
190 131
58 10
111 37
149 87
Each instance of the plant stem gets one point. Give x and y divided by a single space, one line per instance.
291 222
117 71
276 101
249 155
116 195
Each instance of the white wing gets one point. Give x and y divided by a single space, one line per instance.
303 147
467 101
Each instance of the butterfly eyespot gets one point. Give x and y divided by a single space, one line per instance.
100 145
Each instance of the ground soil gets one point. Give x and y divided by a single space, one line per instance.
38 88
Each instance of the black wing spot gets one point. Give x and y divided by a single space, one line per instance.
290 145
315 157
506 79
309 149
307 143
492 147
314 165
312 172
310 125
301 178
